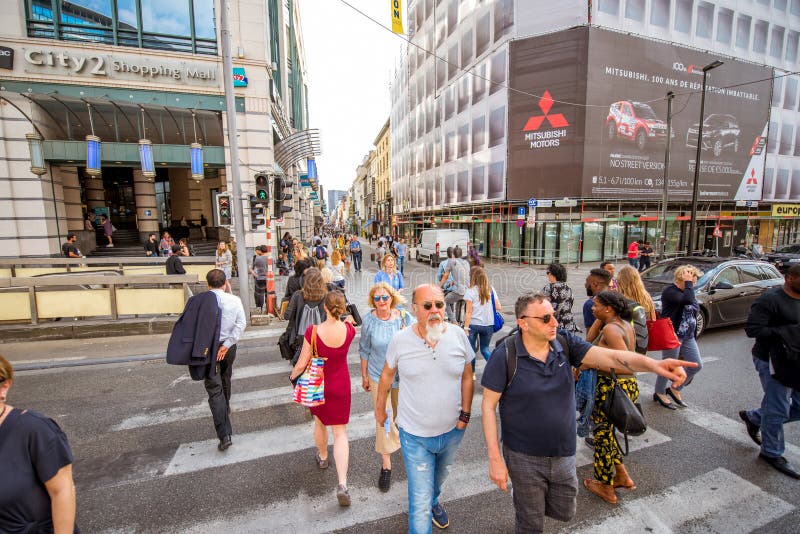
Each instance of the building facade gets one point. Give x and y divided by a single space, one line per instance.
514 109
119 72
383 192
334 198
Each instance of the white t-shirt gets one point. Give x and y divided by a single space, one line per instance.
482 314
430 380
338 271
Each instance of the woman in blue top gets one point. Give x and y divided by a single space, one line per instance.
379 326
389 273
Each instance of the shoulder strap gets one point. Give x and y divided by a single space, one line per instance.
314 341
511 360
562 339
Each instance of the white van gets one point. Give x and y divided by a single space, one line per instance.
433 244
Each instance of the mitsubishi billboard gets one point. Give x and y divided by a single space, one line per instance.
625 121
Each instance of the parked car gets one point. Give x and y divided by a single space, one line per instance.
635 122
720 132
433 244
784 257
725 292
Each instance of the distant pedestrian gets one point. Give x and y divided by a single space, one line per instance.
259 272
609 266
774 322
331 340
633 254
380 251
479 313
356 253
678 302
401 248
224 262
174 265
337 267
37 493
645 256
166 244
108 230
433 360
151 246
186 249
597 281
88 222
380 324
69 249
458 268
203 225
389 273
561 296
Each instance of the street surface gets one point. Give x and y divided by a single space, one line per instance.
146 457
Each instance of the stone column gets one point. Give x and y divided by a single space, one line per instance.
146 210
72 197
95 193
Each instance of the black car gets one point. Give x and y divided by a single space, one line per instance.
725 292
720 132
784 257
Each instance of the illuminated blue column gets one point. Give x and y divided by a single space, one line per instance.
146 158
196 150
93 150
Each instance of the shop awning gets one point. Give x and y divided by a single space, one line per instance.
367 223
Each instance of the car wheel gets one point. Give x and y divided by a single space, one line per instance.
612 130
418 260
702 321
717 148
641 140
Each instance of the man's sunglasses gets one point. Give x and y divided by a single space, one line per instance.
428 305
546 318
378 298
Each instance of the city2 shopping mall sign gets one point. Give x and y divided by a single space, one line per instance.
549 135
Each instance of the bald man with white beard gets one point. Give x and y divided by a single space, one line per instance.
436 387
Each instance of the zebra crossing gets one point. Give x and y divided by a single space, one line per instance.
270 431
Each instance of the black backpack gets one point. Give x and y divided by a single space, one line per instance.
511 352
639 324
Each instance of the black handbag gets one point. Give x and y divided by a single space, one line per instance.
287 353
352 311
625 415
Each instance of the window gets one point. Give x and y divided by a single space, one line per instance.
659 13
683 16
463 140
705 20
449 101
787 133
795 8
463 92
743 31
466 49
634 10
497 126
724 26
760 37
503 17
772 140
776 42
608 6
729 275
498 75
450 146
791 46
452 62
463 186
478 182
478 134
782 184
780 5
750 273
496 180
790 94
452 16
478 83
483 29
777 90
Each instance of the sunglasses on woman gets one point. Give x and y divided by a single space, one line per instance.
378 298
428 305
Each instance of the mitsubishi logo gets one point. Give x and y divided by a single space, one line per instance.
752 180
556 120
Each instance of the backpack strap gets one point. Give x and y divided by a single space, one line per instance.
511 360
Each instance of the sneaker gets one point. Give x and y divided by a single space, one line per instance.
439 516
589 441
109 246
385 480
342 495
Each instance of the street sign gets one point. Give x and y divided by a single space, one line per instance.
566 203
532 203
544 204
752 203
520 212
531 222
520 222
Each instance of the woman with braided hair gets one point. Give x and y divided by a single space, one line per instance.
613 310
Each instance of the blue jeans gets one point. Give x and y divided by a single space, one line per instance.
356 260
780 405
401 263
482 334
634 262
428 462
688 352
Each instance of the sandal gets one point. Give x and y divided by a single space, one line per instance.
322 464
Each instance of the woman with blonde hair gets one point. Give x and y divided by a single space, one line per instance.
384 320
224 261
331 340
629 283
389 273
479 315
337 266
678 302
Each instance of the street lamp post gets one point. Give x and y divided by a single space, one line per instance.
663 240
696 189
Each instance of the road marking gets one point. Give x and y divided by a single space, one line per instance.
201 455
67 359
323 514
717 501
725 427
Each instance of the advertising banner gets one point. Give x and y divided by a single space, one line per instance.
626 121
588 119
545 136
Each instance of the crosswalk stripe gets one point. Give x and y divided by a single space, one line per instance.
725 427
717 501
323 514
201 455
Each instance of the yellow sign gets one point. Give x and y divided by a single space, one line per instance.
786 210
397 16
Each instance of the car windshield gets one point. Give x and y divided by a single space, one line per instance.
643 111
789 249
664 273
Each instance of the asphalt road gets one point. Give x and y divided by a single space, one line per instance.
146 458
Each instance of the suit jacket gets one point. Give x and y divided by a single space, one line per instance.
175 265
195 336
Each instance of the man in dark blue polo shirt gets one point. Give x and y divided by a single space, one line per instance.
537 410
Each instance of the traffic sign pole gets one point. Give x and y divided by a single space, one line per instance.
270 296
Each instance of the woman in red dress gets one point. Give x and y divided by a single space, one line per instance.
333 338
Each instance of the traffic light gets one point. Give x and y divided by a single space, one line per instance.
262 187
224 215
279 184
257 215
